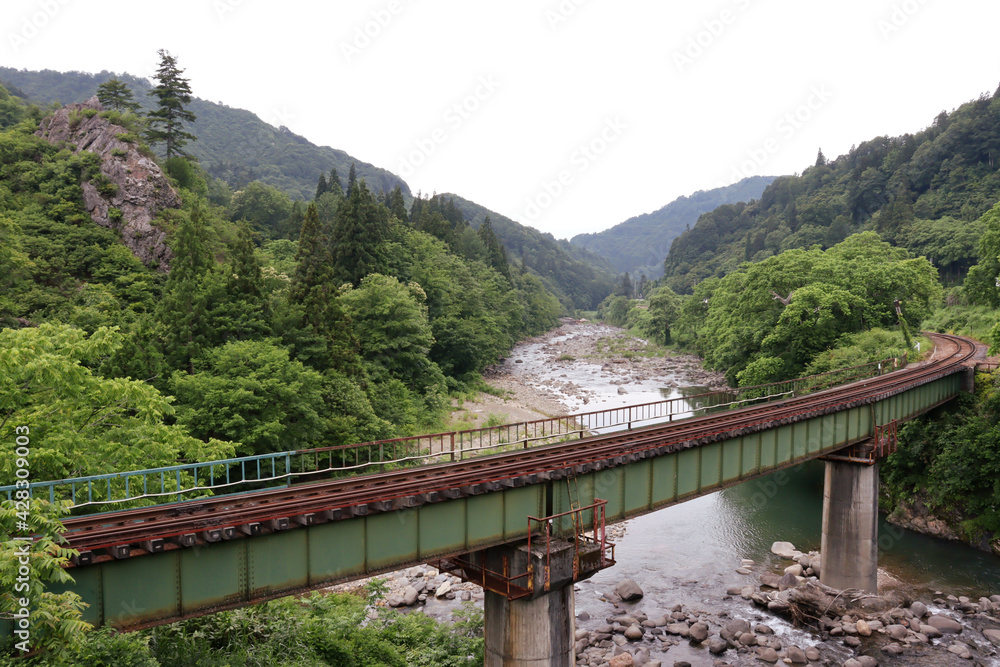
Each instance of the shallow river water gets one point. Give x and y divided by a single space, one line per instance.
689 553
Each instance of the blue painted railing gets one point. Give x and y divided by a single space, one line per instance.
188 481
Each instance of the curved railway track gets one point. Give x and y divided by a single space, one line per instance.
151 529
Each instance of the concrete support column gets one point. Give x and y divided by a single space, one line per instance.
532 632
850 526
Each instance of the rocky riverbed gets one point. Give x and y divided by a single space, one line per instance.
700 607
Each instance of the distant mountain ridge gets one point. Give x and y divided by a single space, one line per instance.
578 277
233 144
640 244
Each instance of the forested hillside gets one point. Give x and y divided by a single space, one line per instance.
921 191
578 277
639 245
357 329
233 144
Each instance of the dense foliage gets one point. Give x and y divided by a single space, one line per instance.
580 278
920 191
639 245
233 145
320 630
361 327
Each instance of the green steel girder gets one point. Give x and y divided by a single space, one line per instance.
178 583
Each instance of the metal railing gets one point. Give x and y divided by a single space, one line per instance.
249 473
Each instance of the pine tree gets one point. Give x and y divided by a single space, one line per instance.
352 180
166 122
360 229
820 159
115 94
181 313
496 255
314 290
334 183
321 188
397 205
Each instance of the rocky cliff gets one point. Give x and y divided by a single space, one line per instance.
133 188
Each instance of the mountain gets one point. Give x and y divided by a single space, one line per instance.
639 245
578 277
233 144
922 191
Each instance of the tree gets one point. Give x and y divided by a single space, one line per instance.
115 94
820 159
390 320
182 310
314 294
173 94
251 392
333 183
360 229
321 187
265 207
352 179
56 626
82 423
496 255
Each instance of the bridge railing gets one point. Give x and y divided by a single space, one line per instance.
113 491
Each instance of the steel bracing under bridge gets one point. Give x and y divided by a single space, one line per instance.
162 563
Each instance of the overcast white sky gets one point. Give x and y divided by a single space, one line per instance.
571 115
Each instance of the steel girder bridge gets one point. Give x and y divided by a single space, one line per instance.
161 563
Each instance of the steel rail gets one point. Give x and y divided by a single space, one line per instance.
169 521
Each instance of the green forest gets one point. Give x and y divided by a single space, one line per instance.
304 298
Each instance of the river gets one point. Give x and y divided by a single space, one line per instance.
688 554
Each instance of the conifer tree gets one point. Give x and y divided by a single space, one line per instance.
115 94
173 94
334 183
496 254
314 290
181 313
396 204
360 229
321 187
352 179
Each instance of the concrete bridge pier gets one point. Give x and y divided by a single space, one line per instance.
850 526
529 606
530 632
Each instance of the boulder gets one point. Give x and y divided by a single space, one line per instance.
945 624
867 661
718 646
622 660
699 632
796 656
919 609
410 595
993 636
628 590
785 550
633 632
443 590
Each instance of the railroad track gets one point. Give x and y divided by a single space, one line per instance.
178 525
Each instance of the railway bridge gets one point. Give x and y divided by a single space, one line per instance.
525 521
